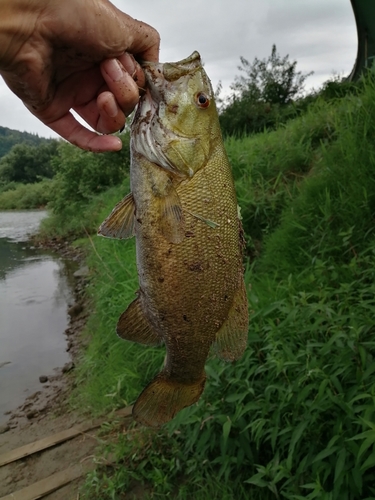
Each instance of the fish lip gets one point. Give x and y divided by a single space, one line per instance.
159 76
155 71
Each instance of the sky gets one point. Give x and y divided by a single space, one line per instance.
320 35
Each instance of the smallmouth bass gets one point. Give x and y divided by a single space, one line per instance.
189 244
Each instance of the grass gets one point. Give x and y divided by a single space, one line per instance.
294 417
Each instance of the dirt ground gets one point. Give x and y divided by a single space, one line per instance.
47 412
29 470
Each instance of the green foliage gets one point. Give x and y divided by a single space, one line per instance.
28 164
9 138
81 175
333 217
263 96
21 196
150 454
269 167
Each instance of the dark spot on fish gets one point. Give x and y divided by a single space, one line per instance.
189 234
173 108
139 220
160 279
196 267
185 318
225 297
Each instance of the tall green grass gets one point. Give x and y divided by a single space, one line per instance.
294 418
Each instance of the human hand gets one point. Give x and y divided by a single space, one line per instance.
59 56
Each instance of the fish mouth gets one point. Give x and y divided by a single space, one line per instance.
160 77
149 134
171 71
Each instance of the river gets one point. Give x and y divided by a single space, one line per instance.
35 290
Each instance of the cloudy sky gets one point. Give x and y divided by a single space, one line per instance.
319 34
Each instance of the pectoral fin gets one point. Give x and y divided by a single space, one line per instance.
120 222
172 220
231 339
132 325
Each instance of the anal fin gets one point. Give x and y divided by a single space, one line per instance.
134 326
120 222
231 339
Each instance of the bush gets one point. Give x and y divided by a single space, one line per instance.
26 196
81 175
263 95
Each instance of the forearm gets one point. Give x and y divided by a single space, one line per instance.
17 22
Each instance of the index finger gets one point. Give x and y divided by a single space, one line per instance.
70 129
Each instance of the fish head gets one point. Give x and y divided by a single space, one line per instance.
176 123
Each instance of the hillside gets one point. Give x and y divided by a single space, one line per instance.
10 137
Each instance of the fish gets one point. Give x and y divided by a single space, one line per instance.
183 212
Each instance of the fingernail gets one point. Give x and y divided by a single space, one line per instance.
128 62
115 70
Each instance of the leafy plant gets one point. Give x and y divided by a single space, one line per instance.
262 94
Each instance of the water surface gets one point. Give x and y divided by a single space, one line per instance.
35 290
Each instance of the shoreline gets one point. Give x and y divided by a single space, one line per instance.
53 396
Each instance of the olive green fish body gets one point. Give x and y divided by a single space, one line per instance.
188 239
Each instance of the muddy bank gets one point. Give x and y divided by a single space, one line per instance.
55 387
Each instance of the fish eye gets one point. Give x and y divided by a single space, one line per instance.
202 100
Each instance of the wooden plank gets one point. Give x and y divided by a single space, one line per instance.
60 437
51 483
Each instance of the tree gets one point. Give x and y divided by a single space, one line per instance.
80 175
262 94
28 164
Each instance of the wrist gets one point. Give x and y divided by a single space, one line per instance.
17 22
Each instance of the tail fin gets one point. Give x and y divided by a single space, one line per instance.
163 398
